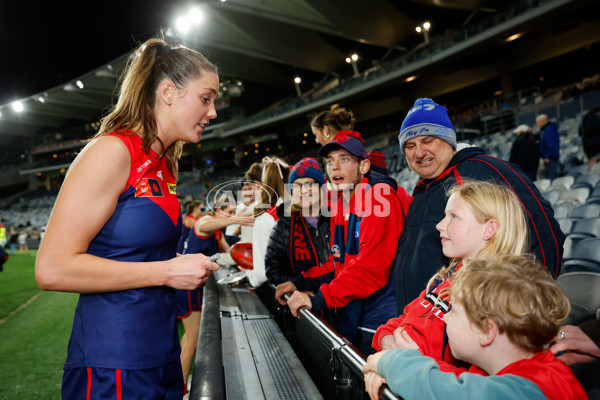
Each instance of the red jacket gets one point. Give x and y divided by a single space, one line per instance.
365 236
425 325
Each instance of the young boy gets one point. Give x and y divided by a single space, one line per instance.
504 314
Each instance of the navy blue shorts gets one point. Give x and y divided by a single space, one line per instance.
188 301
164 383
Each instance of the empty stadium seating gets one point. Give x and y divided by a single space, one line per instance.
585 256
583 289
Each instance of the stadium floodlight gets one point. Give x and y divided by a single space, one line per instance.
424 29
17 106
297 81
352 59
195 15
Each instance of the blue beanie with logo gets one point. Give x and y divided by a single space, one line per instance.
307 168
427 118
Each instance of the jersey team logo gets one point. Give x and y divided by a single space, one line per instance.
148 187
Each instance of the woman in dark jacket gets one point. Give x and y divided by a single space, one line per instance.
300 238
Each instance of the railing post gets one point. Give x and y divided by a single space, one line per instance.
341 375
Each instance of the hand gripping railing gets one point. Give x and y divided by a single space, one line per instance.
340 348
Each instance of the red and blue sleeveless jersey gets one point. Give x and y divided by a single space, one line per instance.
137 328
184 235
207 245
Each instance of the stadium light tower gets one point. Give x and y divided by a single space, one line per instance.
424 29
297 81
352 60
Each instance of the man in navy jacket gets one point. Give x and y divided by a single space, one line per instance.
428 140
549 145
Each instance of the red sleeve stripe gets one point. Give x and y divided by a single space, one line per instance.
536 199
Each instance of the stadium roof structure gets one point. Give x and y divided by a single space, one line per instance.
260 46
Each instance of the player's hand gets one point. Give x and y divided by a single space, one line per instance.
189 271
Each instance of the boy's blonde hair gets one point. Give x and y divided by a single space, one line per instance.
515 292
493 201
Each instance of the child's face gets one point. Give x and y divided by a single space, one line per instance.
462 337
461 234
305 192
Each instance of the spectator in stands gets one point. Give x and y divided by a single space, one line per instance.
253 176
22 240
205 238
13 235
275 173
589 130
482 220
367 219
194 210
549 145
505 312
379 166
326 124
428 141
112 235
247 198
300 238
525 151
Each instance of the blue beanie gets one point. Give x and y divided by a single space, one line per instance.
307 168
427 118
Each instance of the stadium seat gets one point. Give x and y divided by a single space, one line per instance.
567 248
586 180
577 195
563 210
566 224
576 170
552 196
586 211
583 289
594 196
585 256
584 229
542 184
563 181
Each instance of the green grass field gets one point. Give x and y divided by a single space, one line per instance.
34 332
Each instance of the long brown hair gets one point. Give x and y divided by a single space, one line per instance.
150 64
336 117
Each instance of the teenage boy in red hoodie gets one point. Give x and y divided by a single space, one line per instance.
356 279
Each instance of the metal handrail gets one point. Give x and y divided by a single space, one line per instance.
208 381
341 347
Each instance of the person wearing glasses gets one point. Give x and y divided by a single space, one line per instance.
367 221
300 238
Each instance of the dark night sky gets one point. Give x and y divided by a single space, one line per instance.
44 44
